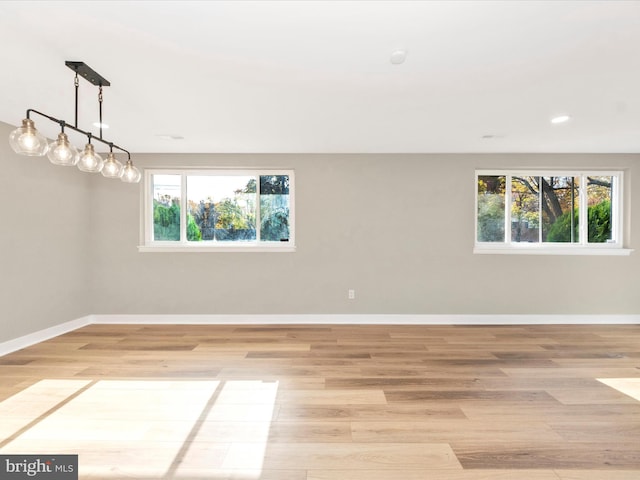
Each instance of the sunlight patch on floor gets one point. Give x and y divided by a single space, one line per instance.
108 424
242 417
19 410
145 428
628 386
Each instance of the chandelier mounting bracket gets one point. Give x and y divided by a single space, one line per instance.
88 73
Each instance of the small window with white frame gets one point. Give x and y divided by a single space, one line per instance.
218 210
549 212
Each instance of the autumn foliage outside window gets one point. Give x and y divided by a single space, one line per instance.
568 208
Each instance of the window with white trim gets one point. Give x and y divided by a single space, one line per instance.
532 211
218 210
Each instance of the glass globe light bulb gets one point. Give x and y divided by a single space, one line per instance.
89 160
61 152
130 174
26 140
112 167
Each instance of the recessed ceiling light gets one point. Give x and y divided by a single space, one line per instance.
561 119
398 57
98 125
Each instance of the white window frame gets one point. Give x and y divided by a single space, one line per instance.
148 244
615 247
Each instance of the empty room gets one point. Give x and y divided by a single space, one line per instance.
320 240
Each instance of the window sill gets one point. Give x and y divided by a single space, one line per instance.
546 250
197 248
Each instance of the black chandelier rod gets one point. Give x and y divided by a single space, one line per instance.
76 83
64 125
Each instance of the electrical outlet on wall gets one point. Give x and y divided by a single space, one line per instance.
351 294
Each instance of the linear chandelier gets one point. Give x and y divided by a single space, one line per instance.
26 140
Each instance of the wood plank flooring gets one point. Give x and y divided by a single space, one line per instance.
330 402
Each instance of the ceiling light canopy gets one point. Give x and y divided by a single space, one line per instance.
398 57
26 140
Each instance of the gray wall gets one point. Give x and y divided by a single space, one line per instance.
44 249
68 245
346 205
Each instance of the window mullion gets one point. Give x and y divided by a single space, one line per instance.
616 203
540 199
583 211
184 204
258 220
148 208
507 211
572 209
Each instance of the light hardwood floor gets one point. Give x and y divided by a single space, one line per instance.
330 402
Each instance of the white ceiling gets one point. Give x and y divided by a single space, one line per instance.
316 76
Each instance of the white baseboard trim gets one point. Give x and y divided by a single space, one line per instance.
364 319
42 335
321 319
